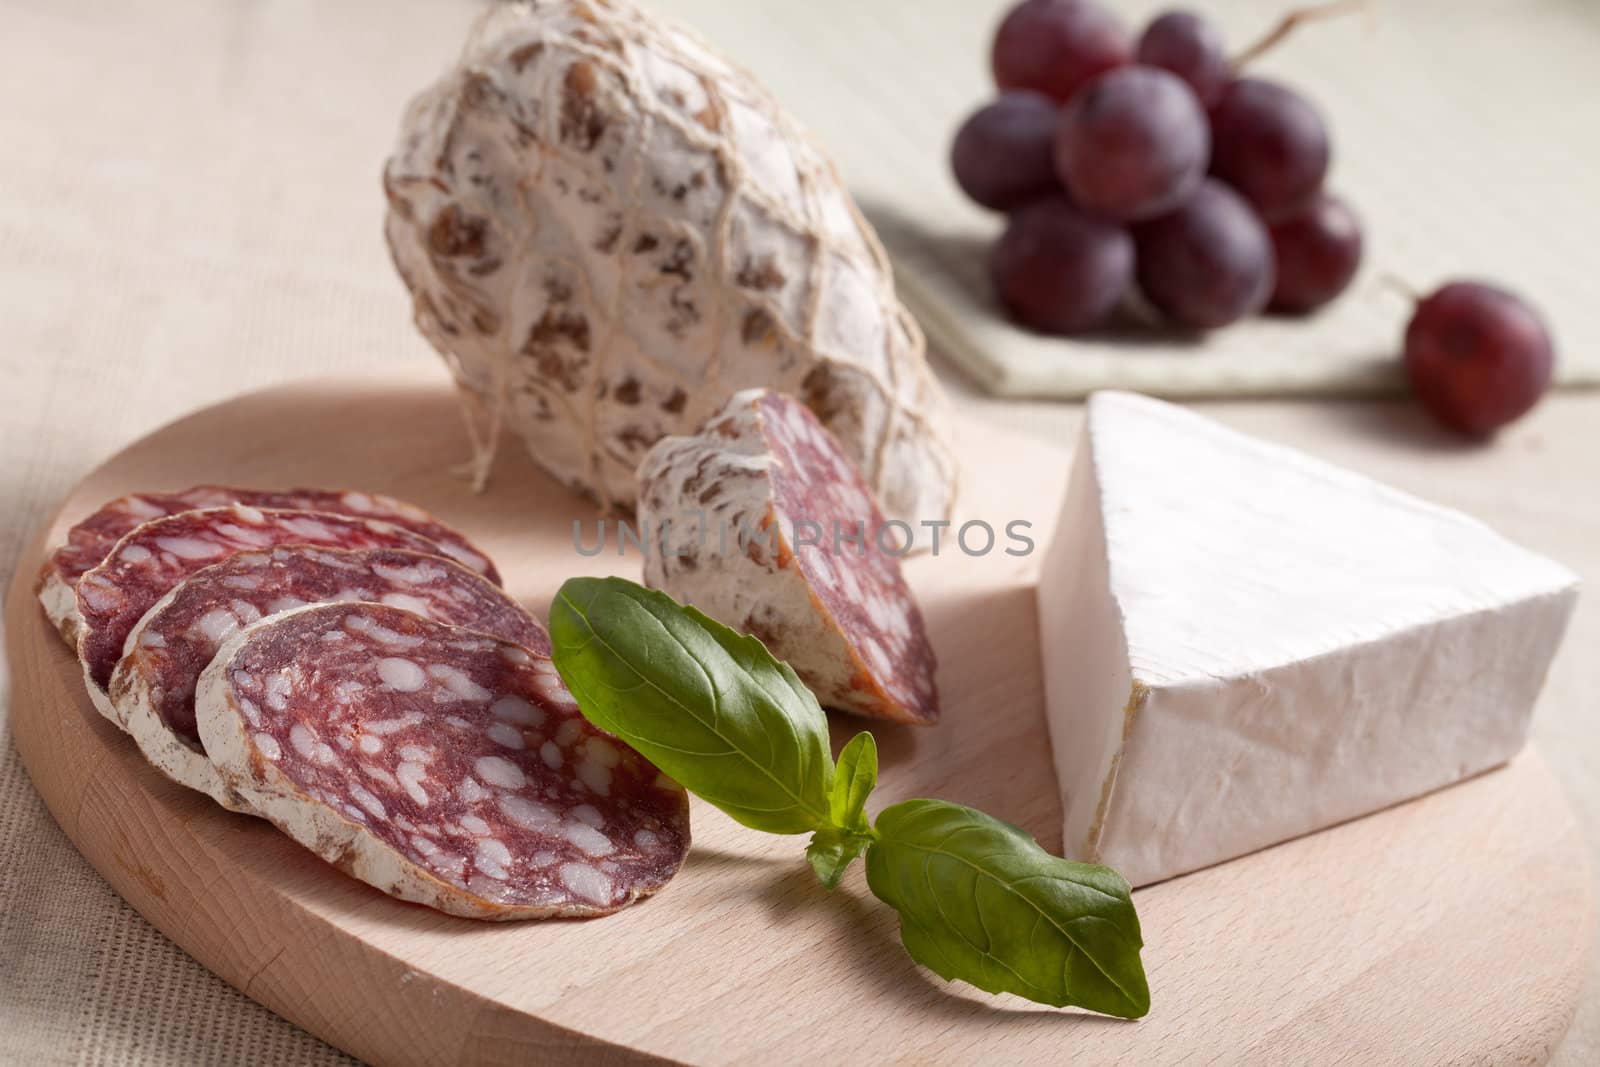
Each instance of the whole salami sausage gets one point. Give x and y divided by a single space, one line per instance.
90 540
152 688
762 522
145 565
440 765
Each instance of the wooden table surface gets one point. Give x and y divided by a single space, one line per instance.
189 209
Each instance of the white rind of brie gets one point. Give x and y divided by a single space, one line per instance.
1243 644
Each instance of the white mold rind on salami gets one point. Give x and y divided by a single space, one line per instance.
723 515
607 230
59 598
149 561
90 540
152 689
414 756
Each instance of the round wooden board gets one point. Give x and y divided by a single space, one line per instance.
1452 929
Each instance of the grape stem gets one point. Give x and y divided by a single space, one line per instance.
1293 21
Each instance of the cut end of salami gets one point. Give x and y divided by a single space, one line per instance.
90 541
761 521
152 688
440 765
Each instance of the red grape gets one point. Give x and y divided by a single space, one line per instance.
1269 143
1477 356
1054 46
1133 144
1209 263
1058 270
1317 252
1003 154
1190 47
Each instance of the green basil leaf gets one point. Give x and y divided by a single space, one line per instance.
711 708
853 779
832 851
979 900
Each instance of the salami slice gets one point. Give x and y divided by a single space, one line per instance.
147 563
88 542
152 688
761 521
440 765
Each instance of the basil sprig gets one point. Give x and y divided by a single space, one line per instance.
978 899
835 846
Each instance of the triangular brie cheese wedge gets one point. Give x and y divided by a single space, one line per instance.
1243 644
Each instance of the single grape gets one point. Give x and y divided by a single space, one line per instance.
1133 144
1269 143
1058 270
1190 47
1317 251
1478 356
1054 46
1003 154
1209 263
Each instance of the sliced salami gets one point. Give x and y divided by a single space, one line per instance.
89 541
152 688
147 563
762 522
440 765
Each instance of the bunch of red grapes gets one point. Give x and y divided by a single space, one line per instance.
1151 162
1123 159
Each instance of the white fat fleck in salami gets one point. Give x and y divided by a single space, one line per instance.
503 733
152 688
394 600
457 685
770 476
401 675
90 541
500 772
515 709
445 815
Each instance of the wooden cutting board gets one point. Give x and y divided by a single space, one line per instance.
1452 929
